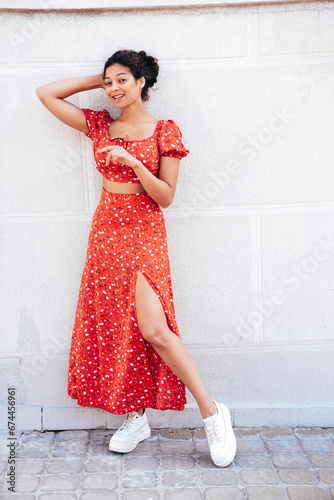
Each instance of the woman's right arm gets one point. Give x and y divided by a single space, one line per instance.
52 96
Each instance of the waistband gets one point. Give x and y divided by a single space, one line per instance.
124 195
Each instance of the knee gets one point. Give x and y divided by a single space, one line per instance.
154 335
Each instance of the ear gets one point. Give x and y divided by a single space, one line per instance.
142 81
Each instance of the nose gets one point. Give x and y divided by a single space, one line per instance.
113 86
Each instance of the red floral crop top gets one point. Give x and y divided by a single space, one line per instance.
165 141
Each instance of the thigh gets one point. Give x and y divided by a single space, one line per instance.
150 313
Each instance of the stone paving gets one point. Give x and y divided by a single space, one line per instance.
173 464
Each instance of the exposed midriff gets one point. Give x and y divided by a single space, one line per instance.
122 187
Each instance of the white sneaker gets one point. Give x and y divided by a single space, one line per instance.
133 430
221 438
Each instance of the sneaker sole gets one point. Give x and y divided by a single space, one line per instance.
229 430
127 447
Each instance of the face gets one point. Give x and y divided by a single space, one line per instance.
121 86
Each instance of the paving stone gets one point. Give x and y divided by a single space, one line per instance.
327 475
104 464
292 460
180 478
100 450
331 432
305 433
36 437
62 465
202 447
199 434
70 449
99 482
307 493
14 496
100 436
63 482
252 461
332 492
75 436
258 476
175 434
322 460
321 445
205 462
58 496
265 493
35 450
140 463
178 462
140 495
140 479
23 484
4 451
182 494
246 433
177 447
296 476
102 495
30 466
250 446
284 446
147 448
276 433
218 477
223 494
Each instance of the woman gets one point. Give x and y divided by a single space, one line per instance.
126 352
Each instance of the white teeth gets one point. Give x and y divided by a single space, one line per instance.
117 96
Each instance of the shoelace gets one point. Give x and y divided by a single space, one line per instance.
130 418
213 431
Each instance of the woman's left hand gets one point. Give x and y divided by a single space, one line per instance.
119 155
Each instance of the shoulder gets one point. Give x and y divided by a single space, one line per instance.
96 120
170 139
96 116
168 128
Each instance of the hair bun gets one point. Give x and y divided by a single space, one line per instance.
142 54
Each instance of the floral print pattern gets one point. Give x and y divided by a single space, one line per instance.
111 365
165 141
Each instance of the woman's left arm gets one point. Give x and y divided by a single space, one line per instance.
162 188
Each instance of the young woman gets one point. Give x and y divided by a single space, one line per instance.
126 353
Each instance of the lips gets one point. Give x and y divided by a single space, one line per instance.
118 97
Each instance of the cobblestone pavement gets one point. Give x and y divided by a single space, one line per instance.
173 464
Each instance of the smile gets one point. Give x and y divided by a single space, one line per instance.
118 96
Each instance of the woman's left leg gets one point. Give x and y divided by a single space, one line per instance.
153 326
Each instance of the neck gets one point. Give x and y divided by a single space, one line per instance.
133 113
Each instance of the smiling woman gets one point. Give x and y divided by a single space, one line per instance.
126 352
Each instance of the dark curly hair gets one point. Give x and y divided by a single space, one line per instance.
140 64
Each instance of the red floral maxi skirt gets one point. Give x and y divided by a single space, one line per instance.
111 365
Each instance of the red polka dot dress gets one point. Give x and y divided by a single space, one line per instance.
111 365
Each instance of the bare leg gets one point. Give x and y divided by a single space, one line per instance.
154 328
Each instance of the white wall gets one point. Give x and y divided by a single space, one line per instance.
251 226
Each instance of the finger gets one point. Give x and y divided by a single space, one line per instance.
107 148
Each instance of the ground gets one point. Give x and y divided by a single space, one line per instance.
173 464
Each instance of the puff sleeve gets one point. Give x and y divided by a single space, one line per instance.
96 121
170 140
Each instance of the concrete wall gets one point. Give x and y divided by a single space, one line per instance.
251 228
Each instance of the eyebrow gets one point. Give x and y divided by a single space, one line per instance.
116 75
